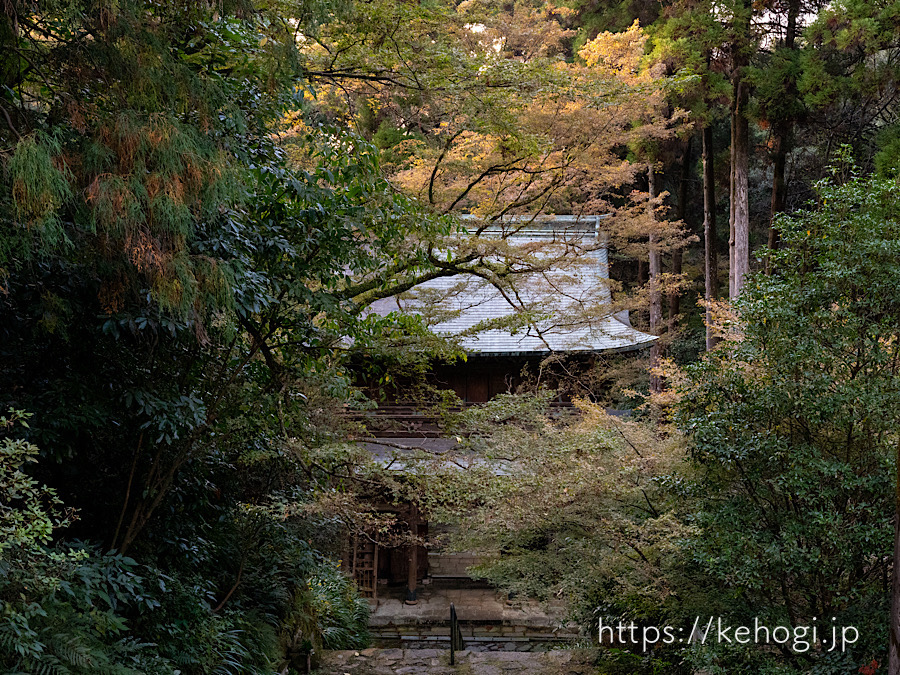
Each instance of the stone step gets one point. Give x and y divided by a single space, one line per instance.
479 644
490 632
437 662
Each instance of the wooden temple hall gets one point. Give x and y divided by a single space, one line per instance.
569 313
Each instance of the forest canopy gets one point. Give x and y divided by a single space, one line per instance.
200 202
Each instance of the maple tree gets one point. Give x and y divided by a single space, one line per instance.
200 202
477 111
490 118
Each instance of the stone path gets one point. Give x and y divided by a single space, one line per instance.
437 662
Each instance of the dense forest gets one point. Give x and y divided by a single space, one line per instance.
201 201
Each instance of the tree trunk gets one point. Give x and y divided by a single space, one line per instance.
710 241
781 136
655 294
413 573
739 241
677 254
739 244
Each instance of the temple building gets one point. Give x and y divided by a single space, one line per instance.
551 296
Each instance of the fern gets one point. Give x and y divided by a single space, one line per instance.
48 665
73 651
230 653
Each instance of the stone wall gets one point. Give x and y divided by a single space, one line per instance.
451 565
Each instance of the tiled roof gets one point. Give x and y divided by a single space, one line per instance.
563 309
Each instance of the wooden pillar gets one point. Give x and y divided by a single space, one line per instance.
413 555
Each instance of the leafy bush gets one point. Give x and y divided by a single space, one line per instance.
793 422
64 611
71 608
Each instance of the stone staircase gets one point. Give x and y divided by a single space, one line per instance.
488 620
376 661
501 636
484 635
